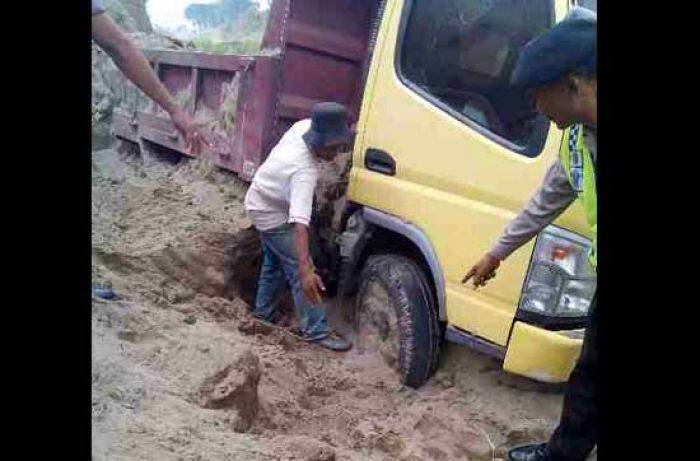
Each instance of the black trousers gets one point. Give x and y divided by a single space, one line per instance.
577 433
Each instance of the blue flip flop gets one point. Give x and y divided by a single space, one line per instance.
103 292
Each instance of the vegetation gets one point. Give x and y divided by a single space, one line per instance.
209 15
236 33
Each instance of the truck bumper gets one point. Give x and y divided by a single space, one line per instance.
541 354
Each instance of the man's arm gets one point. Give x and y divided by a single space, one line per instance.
548 202
311 283
132 62
301 197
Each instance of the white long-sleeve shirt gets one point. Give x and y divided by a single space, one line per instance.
282 189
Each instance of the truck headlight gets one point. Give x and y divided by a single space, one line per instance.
560 282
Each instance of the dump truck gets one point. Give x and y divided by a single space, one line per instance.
446 153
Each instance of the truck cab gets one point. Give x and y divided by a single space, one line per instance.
446 154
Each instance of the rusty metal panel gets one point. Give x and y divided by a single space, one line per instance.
257 115
312 51
232 100
201 60
159 130
124 127
324 46
215 90
273 39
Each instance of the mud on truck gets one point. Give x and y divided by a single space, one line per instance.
446 153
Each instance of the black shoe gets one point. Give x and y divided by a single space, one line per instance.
536 452
334 341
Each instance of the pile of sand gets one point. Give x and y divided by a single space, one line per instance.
180 372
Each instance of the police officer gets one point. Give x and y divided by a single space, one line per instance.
559 71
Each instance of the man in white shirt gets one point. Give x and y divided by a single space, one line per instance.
279 203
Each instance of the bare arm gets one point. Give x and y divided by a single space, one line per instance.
132 62
311 283
547 203
301 246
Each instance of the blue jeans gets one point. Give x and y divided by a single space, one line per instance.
280 263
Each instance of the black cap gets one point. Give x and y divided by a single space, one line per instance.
570 45
329 126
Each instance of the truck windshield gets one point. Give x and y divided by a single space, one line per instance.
462 52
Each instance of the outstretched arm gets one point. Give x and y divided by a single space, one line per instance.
132 62
546 204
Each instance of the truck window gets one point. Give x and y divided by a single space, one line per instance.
460 54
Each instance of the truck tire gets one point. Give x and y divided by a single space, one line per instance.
396 313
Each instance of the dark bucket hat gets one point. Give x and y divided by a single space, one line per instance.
329 126
570 45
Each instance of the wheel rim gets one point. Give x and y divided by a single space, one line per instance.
377 324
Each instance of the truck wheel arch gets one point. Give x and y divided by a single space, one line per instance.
412 233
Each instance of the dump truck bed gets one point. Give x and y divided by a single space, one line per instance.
312 51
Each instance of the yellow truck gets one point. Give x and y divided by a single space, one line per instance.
446 154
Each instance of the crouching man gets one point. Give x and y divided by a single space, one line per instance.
279 203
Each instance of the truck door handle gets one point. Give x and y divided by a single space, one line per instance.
379 161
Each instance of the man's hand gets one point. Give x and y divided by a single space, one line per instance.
482 271
311 283
184 124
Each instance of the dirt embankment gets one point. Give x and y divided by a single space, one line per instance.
180 372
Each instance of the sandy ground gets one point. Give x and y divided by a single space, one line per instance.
179 372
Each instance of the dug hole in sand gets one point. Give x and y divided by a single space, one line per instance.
179 371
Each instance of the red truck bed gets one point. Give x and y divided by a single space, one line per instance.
312 51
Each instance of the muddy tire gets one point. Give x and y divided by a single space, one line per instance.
396 311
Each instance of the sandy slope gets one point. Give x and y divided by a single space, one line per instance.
180 372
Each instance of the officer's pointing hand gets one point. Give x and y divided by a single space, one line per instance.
482 271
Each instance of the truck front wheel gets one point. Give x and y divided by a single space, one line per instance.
396 317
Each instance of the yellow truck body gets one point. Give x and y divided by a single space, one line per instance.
459 187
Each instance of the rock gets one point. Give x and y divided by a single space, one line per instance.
361 394
476 447
436 453
323 454
190 319
444 379
525 435
465 440
128 335
390 442
234 388
327 439
221 309
410 457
